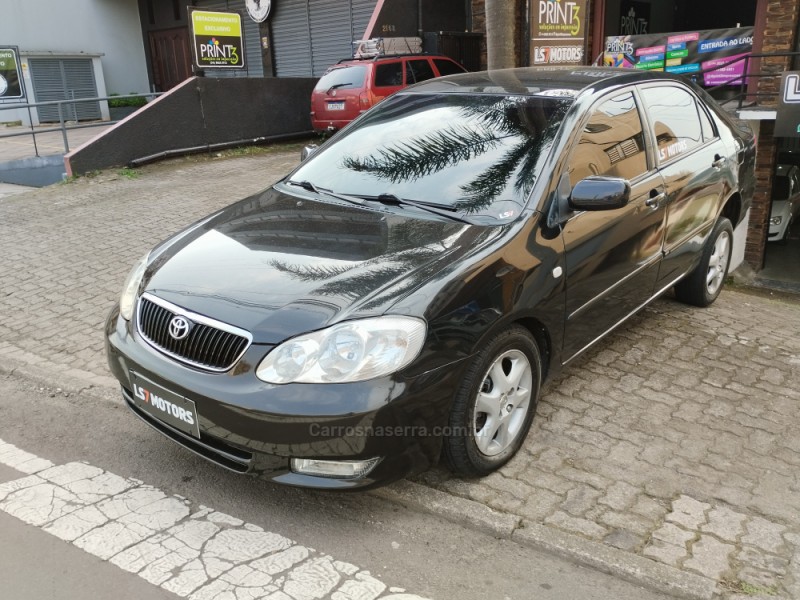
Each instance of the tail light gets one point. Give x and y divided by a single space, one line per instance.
366 99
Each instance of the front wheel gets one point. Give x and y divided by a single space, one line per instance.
702 286
495 405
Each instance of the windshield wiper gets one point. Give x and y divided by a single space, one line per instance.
307 185
337 85
438 209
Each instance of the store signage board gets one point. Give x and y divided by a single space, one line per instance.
217 39
558 32
787 122
685 53
10 73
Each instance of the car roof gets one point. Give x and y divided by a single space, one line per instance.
532 80
382 57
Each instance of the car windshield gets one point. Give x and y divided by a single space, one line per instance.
342 77
478 154
781 187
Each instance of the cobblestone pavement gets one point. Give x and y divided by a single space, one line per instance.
675 439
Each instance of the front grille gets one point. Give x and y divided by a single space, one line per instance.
210 345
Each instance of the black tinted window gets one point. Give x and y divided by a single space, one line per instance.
481 153
418 70
447 67
781 187
612 142
389 74
342 77
674 117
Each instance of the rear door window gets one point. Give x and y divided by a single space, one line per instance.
418 70
674 118
447 67
389 74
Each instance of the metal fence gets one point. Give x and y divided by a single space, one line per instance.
64 124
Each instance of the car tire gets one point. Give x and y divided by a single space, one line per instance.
495 404
702 286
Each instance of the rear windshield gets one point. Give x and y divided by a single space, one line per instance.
343 77
480 154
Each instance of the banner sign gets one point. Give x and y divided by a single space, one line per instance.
686 53
558 32
787 122
218 41
10 79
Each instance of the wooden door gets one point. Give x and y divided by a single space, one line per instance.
171 57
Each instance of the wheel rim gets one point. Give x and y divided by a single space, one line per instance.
718 262
502 402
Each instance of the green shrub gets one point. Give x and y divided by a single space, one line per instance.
135 101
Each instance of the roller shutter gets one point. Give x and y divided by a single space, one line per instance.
291 45
308 36
64 79
254 66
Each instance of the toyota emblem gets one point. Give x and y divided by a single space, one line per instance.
179 327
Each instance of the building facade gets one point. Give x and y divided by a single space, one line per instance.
80 48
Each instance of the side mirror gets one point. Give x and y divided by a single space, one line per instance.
308 151
600 193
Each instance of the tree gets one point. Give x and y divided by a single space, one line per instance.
500 34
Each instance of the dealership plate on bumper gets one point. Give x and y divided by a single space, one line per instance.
168 407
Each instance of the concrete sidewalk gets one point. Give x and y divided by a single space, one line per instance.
674 441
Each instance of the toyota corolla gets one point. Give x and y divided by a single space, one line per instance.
400 297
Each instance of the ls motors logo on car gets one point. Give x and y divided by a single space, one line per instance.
163 405
552 55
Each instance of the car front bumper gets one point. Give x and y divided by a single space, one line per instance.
249 426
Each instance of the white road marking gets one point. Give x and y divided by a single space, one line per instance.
194 552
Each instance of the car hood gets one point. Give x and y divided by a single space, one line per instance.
278 265
780 208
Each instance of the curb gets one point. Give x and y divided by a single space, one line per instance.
17 362
618 563
461 511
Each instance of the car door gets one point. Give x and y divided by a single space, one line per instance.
612 256
388 78
691 158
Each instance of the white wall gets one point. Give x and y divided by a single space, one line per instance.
108 27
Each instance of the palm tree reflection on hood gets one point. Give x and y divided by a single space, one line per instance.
526 125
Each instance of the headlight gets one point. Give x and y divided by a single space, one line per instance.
351 351
128 297
775 220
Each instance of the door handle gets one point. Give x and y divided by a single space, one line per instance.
654 201
719 161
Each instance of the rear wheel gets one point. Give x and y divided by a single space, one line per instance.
495 405
702 286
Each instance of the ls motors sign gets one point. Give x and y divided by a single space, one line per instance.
558 32
787 121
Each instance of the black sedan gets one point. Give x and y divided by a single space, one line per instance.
401 296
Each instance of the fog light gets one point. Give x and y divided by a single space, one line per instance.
336 469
